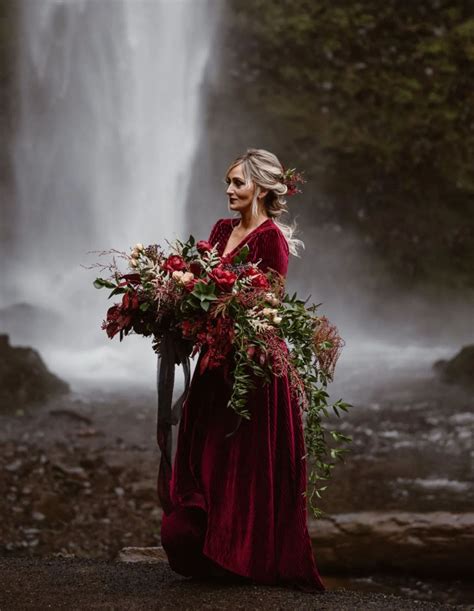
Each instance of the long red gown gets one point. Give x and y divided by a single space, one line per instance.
238 500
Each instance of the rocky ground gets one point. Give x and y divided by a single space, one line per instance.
89 584
77 484
78 477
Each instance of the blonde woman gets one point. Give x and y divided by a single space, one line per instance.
239 508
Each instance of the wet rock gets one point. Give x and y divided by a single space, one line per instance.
70 414
77 473
142 554
53 508
14 466
24 378
144 491
434 543
459 369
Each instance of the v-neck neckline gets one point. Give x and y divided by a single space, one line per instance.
244 240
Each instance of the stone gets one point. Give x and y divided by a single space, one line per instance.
53 508
459 369
142 554
24 378
144 491
438 543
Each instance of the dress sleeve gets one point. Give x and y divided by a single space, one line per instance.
272 249
215 233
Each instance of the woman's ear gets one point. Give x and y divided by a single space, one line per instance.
262 193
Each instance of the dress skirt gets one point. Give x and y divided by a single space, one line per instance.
238 499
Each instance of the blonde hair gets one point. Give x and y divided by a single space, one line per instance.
265 170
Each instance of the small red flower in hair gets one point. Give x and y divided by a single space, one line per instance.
291 178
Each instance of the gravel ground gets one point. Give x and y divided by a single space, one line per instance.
61 583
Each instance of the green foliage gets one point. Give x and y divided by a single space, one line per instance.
376 101
263 332
325 447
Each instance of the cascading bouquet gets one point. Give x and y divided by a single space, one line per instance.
191 301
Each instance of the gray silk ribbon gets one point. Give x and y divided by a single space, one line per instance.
172 352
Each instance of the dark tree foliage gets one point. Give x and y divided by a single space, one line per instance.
8 101
376 101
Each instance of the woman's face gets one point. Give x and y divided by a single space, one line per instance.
239 193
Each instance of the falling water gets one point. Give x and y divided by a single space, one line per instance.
108 125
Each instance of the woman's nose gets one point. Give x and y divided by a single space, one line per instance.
230 189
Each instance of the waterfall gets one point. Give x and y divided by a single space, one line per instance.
109 119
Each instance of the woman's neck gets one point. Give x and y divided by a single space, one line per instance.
248 221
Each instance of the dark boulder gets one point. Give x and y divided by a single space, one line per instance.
24 378
459 369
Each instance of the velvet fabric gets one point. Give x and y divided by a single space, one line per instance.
238 501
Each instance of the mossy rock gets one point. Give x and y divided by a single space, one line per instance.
24 378
459 369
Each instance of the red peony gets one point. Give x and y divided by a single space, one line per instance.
257 279
203 246
223 278
260 281
174 263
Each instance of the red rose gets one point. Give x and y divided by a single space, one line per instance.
203 246
174 263
257 279
223 278
260 281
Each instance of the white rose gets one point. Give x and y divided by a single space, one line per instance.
271 298
186 277
139 247
277 319
135 254
177 275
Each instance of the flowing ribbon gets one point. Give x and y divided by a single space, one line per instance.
172 352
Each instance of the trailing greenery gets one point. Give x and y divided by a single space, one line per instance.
376 101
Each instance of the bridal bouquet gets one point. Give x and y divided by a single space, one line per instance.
236 317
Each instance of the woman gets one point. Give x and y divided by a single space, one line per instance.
238 498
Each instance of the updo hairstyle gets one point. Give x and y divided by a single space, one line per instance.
265 170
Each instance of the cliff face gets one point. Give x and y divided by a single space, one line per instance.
8 100
375 103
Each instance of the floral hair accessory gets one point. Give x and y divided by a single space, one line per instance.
290 178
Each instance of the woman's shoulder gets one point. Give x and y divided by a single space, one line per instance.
222 223
219 227
274 233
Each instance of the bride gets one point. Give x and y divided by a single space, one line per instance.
238 504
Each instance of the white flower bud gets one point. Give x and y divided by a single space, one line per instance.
277 319
177 275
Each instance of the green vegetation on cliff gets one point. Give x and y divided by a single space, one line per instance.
376 102
8 101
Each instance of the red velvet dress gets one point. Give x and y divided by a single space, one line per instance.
238 500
